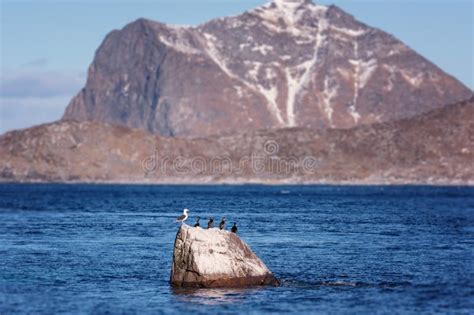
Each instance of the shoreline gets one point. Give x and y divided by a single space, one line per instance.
246 183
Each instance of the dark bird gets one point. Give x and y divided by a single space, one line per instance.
183 217
222 224
197 222
234 228
210 224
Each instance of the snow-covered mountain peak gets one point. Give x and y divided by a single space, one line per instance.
291 6
288 3
287 63
292 16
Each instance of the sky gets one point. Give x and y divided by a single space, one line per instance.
47 45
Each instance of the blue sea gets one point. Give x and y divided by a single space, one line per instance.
106 249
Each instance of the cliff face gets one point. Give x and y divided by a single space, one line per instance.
285 64
435 147
215 258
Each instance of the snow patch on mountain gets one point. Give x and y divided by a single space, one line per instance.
253 73
177 38
414 80
290 12
295 81
329 92
349 32
214 54
391 78
263 49
366 69
269 94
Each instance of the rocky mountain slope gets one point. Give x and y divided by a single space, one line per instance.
289 63
435 147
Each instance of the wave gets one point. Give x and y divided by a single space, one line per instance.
341 283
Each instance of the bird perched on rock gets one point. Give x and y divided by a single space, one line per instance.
222 224
197 222
210 223
183 217
234 228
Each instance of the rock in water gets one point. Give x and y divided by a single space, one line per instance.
215 258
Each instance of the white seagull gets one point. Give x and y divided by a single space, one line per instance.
183 217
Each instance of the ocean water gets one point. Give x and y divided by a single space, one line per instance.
106 249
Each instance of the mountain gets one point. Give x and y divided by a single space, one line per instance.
434 147
289 63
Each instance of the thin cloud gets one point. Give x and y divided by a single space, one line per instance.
22 84
37 63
